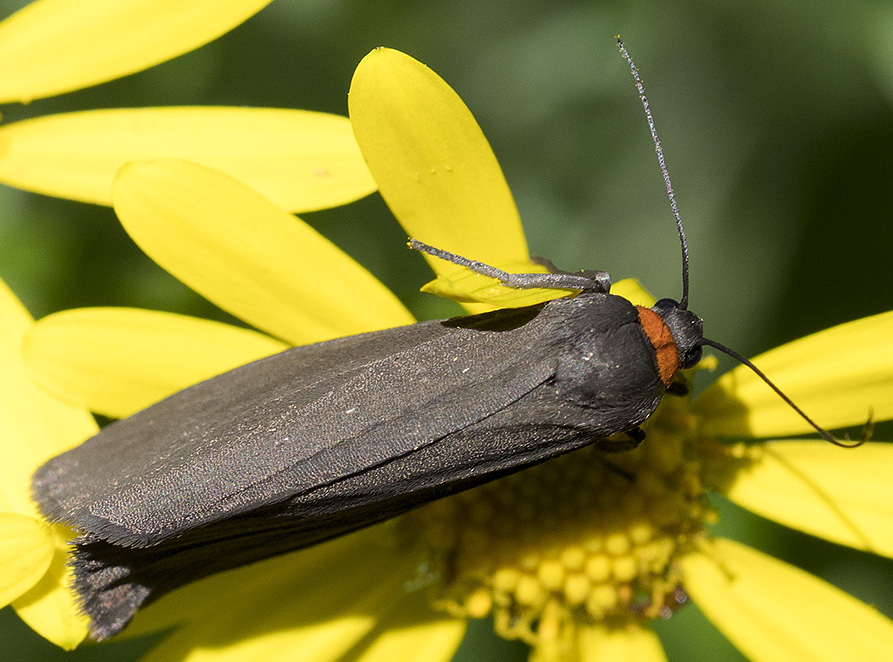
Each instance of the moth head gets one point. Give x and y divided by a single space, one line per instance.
686 328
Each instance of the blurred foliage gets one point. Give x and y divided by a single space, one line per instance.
776 122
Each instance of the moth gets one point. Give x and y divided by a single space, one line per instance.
321 440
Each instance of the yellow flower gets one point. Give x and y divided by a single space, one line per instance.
301 160
56 46
35 427
574 556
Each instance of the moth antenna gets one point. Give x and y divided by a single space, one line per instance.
827 436
683 302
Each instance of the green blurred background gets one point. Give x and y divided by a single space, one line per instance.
775 118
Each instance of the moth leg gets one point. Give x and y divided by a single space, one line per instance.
680 389
547 263
621 441
587 281
681 386
591 274
637 434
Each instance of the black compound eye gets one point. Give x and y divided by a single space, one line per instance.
665 304
691 359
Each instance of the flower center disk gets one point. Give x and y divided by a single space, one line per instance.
587 538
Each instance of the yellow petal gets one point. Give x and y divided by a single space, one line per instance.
116 361
322 601
55 46
248 256
321 640
835 376
841 495
26 549
631 290
773 611
34 426
49 608
598 644
299 159
412 633
432 163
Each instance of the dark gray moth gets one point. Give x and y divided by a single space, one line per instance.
321 440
